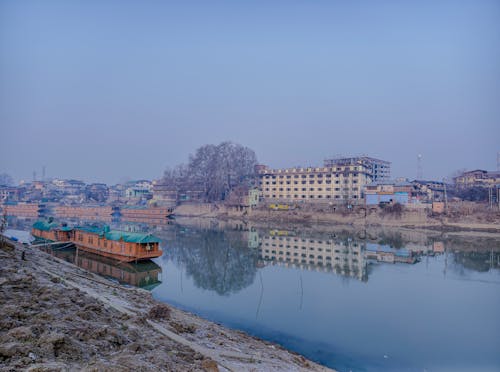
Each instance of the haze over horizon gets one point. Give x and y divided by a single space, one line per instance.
104 91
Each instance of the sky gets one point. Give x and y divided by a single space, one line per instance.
106 91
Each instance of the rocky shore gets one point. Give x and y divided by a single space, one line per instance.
58 317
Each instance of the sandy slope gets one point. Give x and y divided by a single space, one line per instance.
56 316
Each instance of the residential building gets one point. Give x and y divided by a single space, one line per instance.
477 178
339 183
243 197
165 193
429 191
97 192
11 193
21 209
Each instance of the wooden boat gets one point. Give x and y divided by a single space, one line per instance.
51 231
120 245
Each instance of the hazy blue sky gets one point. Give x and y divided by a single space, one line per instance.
102 90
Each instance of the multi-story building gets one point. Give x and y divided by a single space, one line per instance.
477 178
339 183
31 210
379 170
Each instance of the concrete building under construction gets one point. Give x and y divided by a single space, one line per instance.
379 170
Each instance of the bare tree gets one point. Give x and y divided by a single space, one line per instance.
213 170
219 168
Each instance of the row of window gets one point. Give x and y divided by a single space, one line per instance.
311 256
318 175
273 196
305 182
316 171
311 189
328 250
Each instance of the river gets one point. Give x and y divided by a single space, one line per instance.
352 300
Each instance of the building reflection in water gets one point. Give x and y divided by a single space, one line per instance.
341 256
143 274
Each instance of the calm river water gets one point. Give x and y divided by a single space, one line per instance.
351 300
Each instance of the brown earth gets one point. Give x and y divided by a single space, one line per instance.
460 216
58 317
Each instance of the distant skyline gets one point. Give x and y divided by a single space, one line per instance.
105 91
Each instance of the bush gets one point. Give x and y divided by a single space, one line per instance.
395 209
159 312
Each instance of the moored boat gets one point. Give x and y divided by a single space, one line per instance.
120 245
51 231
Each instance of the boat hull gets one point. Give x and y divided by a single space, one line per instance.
117 256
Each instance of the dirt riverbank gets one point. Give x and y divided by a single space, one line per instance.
460 218
58 317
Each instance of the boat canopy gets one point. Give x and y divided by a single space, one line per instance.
47 226
116 235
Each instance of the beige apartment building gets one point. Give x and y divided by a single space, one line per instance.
338 183
342 257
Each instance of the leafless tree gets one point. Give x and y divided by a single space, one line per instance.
213 169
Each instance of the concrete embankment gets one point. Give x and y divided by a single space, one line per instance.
58 317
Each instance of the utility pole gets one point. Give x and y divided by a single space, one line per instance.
420 172
445 197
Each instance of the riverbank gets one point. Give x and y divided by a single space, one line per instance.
462 217
59 317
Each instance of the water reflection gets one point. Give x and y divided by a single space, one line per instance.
223 256
353 299
341 255
216 260
143 274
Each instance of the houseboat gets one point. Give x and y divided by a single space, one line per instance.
120 245
51 231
